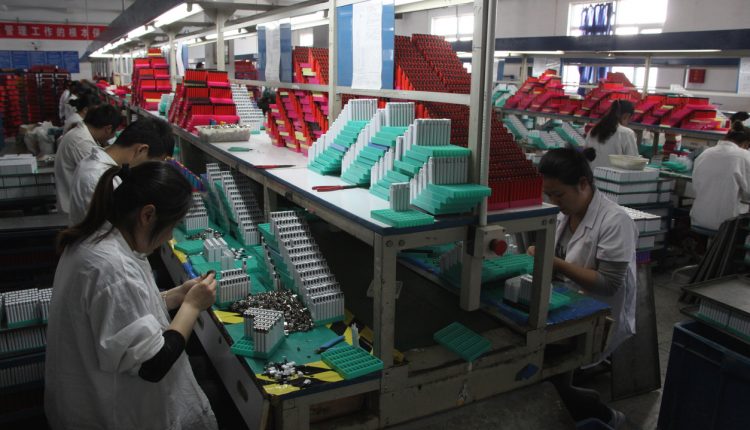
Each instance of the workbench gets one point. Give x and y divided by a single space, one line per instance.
428 379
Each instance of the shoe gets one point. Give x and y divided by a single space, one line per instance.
618 419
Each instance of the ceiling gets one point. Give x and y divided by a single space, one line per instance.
77 11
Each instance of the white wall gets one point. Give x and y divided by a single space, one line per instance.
697 15
718 79
246 45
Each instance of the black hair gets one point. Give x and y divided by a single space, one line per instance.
104 115
607 125
568 165
155 133
740 116
75 87
85 100
738 133
153 182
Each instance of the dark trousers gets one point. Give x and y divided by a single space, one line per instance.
582 403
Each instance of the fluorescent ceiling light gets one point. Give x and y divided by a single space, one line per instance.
140 31
465 39
537 52
651 31
677 51
310 24
626 31
176 14
302 19
403 2
212 36
463 54
502 54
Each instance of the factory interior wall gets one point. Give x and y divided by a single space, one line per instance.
51 45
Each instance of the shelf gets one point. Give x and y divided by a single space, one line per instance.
704 135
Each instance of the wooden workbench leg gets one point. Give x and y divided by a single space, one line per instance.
384 295
541 290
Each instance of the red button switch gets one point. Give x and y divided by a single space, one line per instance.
498 246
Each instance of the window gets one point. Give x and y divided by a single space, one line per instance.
453 27
306 38
629 17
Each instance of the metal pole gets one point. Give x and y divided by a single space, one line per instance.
524 68
488 111
647 72
172 59
334 102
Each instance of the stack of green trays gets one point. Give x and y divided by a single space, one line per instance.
512 127
358 172
567 137
351 362
451 199
466 343
329 161
245 348
410 218
189 247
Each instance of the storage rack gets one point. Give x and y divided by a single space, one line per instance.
432 377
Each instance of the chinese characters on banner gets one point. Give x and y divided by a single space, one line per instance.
34 30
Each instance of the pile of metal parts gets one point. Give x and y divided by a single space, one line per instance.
284 372
296 316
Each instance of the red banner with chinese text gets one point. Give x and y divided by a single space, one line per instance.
36 30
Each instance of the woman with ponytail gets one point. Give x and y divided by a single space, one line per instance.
595 244
114 358
721 178
610 136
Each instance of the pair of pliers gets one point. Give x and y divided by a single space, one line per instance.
326 188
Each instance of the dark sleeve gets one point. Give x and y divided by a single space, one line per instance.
157 366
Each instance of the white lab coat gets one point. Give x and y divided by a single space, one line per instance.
721 178
63 104
106 319
623 142
84 182
72 121
606 233
74 147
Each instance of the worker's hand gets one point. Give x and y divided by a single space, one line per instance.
531 250
203 293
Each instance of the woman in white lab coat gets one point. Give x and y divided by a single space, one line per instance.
98 127
610 136
595 247
721 178
82 104
114 358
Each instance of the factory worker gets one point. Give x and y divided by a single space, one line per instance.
114 359
64 109
82 105
610 136
721 178
97 128
143 140
595 247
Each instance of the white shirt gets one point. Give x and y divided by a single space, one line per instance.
721 177
623 142
72 121
106 319
606 233
62 104
85 179
74 147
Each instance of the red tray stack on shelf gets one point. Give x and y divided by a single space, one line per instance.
150 80
14 114
44 86
440 55
279 126
614 87
204 98
245 69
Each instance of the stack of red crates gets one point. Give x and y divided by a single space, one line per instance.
150 80
614 87
444 61
245 69
204 98
44 86
299 117
13 113
514 180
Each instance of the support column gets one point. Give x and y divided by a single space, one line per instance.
646 72
219 17
334 100
172 58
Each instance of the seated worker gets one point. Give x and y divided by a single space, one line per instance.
82 105
143 140
721 178
97 128
610 135
115 359
595 247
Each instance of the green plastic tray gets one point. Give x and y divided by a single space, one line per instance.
189 247
245 348
351 362
410 218
466 343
